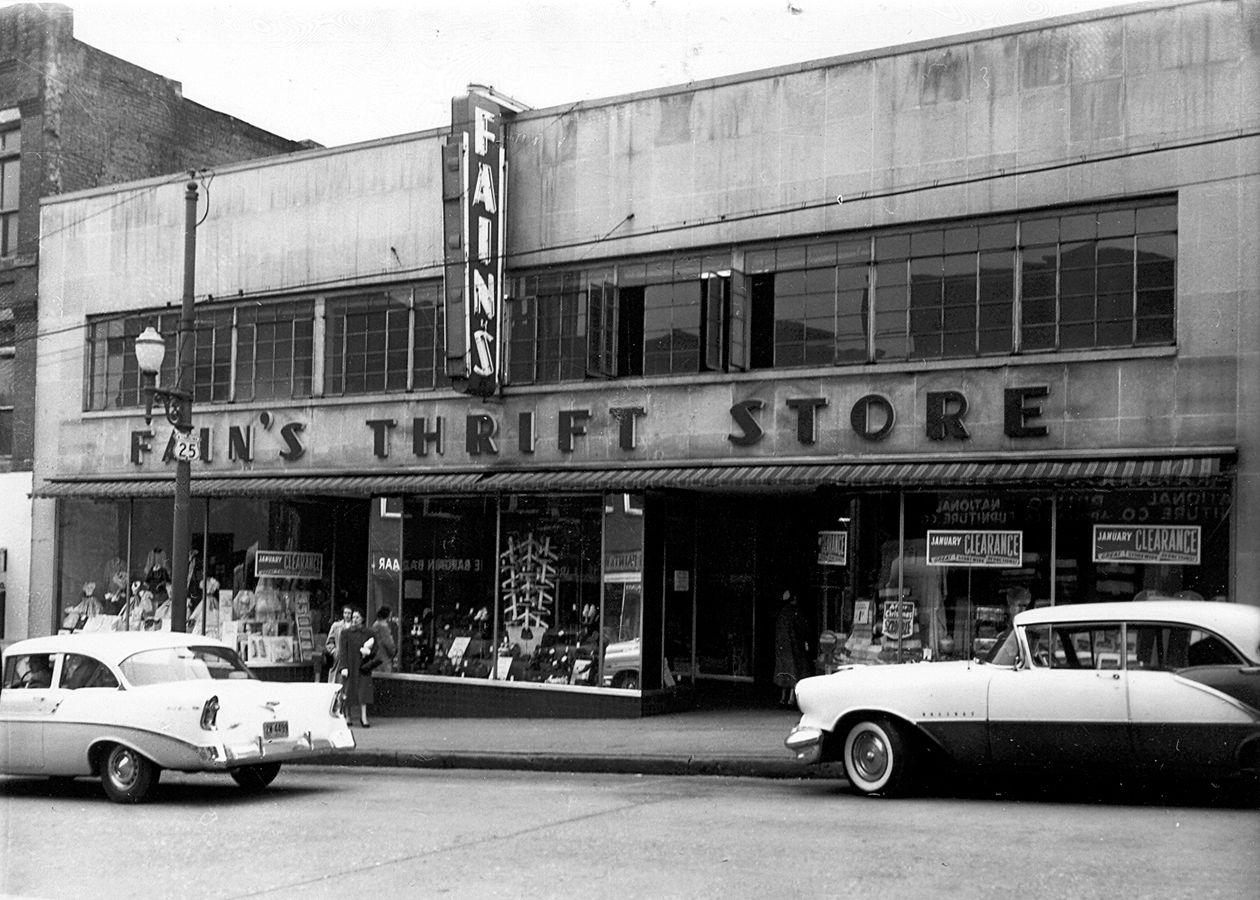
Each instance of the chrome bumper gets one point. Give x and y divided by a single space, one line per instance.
806 743
231 754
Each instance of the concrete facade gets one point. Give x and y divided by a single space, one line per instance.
1160 99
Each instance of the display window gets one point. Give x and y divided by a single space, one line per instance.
1142 544
448 577
931 575
549 589
524 588
259 571
972 560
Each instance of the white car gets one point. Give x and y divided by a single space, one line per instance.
1157 688
125 705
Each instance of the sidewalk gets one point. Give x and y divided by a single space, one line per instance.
743 742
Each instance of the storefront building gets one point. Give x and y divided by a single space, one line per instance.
924 336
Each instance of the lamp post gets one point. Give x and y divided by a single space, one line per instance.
177 407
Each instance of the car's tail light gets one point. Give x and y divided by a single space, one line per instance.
210 714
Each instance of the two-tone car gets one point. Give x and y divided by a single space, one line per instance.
1161 688
123 706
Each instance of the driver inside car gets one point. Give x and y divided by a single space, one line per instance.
38 672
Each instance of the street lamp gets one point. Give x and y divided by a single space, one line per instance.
177 408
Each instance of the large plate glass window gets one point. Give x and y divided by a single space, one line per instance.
548 599
446 609
1145 543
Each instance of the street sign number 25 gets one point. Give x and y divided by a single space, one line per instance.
185 446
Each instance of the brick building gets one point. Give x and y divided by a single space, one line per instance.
74 117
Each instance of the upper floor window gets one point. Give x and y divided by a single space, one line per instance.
811 304
1087 278
113 375
428 340
1096 278
1079 279
365 342
274 350
679 315
241 353
548 317
10 179
370 342
6 401
385 340
7 353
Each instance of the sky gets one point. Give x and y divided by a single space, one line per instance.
357 71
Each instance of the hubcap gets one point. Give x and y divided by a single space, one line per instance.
124 768
870 756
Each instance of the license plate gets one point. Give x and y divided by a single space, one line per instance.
273 730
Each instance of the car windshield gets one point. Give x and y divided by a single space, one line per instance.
171 664
1005 650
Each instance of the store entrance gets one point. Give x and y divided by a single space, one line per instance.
728 561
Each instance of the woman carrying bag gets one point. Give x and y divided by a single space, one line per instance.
356 651
386 646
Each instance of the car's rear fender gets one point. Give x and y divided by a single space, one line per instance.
1249 755
163 750
1240 683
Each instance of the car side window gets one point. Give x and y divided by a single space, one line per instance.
1157 647
79 671
1085 646
1038 646
1209 650
1172 647
32 670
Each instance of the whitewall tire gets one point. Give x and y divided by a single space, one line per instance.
877 757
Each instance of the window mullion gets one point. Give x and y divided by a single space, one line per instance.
409 380
232 333
1017 303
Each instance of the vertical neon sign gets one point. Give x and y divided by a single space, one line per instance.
474 191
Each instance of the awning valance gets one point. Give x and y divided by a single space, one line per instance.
246 486
1115 472
942 473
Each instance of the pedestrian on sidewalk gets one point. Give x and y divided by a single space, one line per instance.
355 652
791 649
386 646
332 646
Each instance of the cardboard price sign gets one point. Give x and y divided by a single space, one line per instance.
305 634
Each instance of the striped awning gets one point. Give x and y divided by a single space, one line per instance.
895 474
245 486
940 473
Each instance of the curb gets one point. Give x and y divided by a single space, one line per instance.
577 763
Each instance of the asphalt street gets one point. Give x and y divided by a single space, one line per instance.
372 832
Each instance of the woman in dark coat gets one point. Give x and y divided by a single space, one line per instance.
350 652
791 649
385 646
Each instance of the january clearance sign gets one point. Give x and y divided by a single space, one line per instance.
999 549
1162 545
